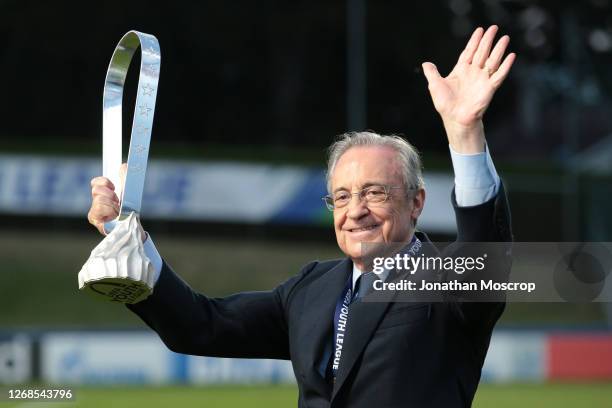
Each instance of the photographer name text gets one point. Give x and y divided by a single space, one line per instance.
453 285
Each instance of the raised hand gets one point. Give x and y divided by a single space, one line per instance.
104 203
464 95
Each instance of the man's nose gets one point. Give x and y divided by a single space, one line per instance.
357 208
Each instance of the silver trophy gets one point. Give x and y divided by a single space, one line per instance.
112 154
120 283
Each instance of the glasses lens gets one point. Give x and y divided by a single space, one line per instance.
375 194
341 198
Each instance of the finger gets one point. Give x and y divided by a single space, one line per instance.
103 182
482 53
497 54
468 53
431 72
99 224
107 201
103 191
102 208
502 72
100 213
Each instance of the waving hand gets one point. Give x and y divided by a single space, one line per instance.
463 96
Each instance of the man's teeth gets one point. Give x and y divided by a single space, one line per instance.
363 228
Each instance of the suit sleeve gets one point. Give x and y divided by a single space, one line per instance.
245 325
487 222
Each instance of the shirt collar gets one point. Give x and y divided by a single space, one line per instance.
357 273
382 276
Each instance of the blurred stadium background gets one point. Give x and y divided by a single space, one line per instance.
251 94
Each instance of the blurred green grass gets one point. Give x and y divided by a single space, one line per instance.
38 280
555 395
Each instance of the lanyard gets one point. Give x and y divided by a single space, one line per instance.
340 323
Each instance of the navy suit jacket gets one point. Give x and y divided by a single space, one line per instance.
396 354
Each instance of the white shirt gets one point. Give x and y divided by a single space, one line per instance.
476 181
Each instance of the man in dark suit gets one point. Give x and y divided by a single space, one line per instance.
389 354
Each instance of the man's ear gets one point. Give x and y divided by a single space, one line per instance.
418 202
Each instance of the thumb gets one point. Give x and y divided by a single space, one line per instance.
431 72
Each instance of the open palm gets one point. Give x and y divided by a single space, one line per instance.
464 95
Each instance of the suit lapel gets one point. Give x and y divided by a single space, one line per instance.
316 325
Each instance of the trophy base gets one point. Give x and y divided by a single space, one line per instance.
118 290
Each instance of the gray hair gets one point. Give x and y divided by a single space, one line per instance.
407 155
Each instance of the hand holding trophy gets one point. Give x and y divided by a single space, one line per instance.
118 269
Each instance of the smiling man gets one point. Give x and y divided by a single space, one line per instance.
345 352
384 174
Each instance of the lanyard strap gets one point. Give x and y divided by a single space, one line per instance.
341 323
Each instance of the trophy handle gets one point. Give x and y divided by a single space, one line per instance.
131 198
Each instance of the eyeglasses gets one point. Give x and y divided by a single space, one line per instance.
372 195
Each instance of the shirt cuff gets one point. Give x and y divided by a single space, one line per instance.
476 180
151 253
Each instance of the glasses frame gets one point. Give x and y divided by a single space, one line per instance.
329 198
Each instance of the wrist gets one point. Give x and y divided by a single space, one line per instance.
465 139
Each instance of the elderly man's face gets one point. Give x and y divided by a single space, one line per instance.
391 221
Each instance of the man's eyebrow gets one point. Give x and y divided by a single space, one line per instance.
339 189
372 183
364 185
